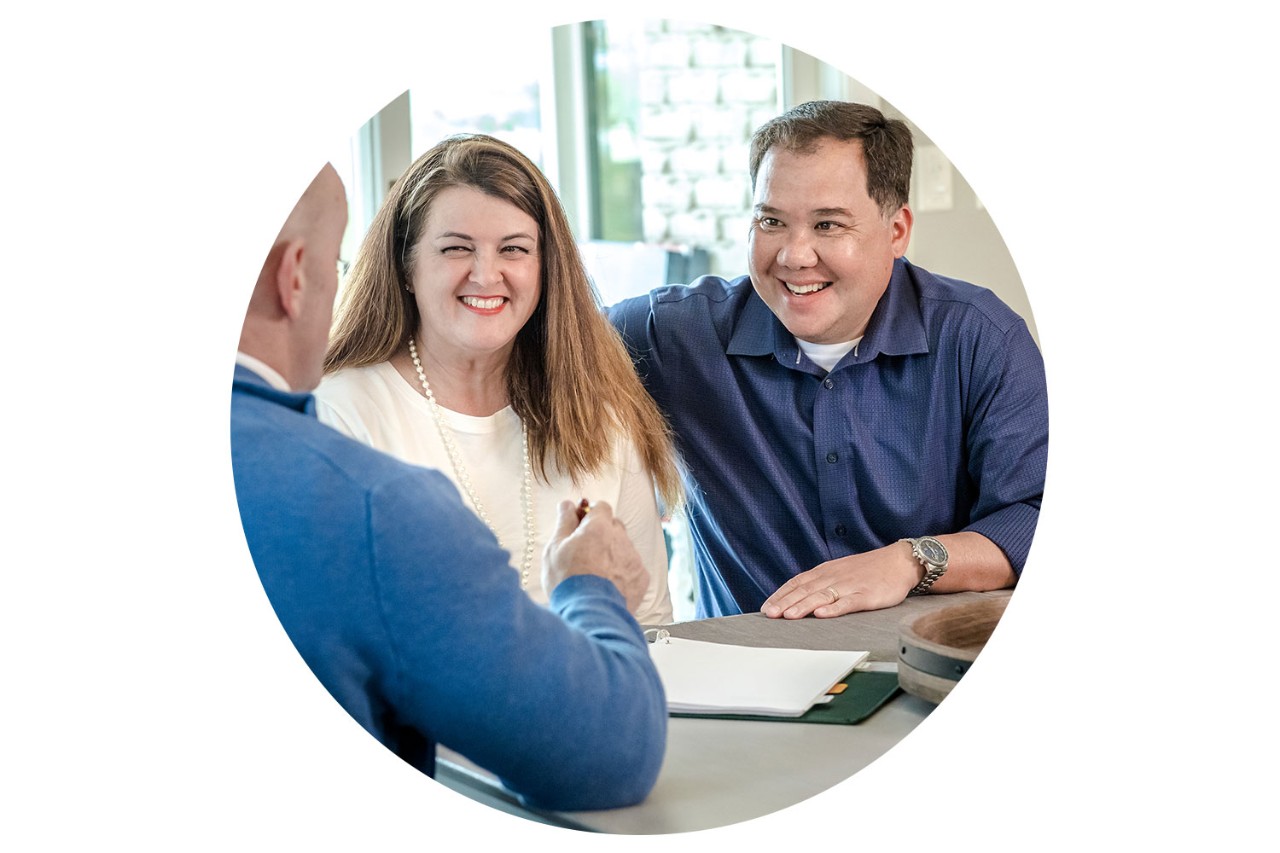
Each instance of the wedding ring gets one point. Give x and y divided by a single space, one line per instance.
835 596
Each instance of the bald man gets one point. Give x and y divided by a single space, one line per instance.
401 600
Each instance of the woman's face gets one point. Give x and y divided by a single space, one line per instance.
476 274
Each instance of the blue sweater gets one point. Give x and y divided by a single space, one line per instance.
405 607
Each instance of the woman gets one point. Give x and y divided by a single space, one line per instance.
469 339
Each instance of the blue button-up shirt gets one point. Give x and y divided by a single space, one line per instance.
936 423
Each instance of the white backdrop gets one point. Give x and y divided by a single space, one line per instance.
149 158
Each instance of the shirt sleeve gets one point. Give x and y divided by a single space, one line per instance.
1008 442
637 509
634 320
561 703
330 410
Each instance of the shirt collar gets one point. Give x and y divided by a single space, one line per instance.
759 332
252 378
895 328
260 367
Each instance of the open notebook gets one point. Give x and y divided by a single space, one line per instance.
714 678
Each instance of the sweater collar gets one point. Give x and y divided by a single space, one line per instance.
253 383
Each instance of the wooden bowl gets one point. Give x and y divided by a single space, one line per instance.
937 648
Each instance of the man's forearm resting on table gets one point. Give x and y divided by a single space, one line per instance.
974 563
884 577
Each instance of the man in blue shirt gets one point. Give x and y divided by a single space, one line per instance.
855 428
400 599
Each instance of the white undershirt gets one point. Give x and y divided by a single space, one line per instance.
272 377
827 356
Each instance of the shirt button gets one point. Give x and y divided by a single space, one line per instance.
841 530
827 383
833 457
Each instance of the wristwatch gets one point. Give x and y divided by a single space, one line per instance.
931 554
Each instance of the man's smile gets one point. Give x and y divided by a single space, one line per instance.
805 289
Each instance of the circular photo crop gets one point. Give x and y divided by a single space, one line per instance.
650 411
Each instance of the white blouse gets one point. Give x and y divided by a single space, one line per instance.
377 406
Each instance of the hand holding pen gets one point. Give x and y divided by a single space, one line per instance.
589 540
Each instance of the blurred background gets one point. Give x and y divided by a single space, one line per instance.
643 128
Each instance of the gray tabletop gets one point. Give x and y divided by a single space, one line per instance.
875 631
718 772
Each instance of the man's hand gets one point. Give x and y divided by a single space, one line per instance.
868 581
595 545
883 577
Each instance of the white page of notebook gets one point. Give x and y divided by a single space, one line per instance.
715 678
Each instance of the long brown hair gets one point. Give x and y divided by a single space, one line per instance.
569 377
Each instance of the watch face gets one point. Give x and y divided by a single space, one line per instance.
932 550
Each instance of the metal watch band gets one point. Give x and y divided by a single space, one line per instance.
932 570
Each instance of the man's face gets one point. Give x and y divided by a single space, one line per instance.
821 250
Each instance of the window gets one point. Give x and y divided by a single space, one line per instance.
644 127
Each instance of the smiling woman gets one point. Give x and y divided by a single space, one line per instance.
475 283
469 340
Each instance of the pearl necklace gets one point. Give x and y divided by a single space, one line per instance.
455 459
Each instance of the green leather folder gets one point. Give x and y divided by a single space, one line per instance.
866 692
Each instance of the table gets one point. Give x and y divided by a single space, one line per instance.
718 772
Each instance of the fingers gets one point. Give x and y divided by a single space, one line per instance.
820 592
583 543
599 512
866 581
572 517
837 606
566 521
622 564
773 605
803 600
795 598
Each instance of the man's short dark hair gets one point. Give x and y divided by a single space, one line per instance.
886 143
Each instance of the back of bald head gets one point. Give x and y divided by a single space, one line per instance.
323 201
